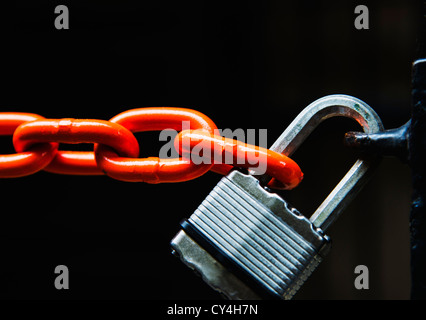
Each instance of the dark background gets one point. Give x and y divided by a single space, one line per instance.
248 64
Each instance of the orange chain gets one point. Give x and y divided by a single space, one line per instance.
116 149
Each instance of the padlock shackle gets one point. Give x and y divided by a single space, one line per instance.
303 125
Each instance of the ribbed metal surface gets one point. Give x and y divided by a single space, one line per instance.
255 238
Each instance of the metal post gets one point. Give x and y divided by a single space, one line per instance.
417 161
409 144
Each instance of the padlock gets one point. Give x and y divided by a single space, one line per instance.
247 242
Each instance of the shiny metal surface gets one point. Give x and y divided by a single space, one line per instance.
303 125
258 232
211 271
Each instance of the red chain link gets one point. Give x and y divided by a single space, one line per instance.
25 162
116 149
153 169
75 131
274 164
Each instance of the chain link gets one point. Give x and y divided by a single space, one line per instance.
116 149
25 162
154 169
274 164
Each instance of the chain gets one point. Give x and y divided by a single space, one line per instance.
116 149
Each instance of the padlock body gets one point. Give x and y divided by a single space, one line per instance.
248 243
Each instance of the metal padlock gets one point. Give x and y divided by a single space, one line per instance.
248 243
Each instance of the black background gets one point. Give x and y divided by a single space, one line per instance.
248 64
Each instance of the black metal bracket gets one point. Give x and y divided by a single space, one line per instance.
392 142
